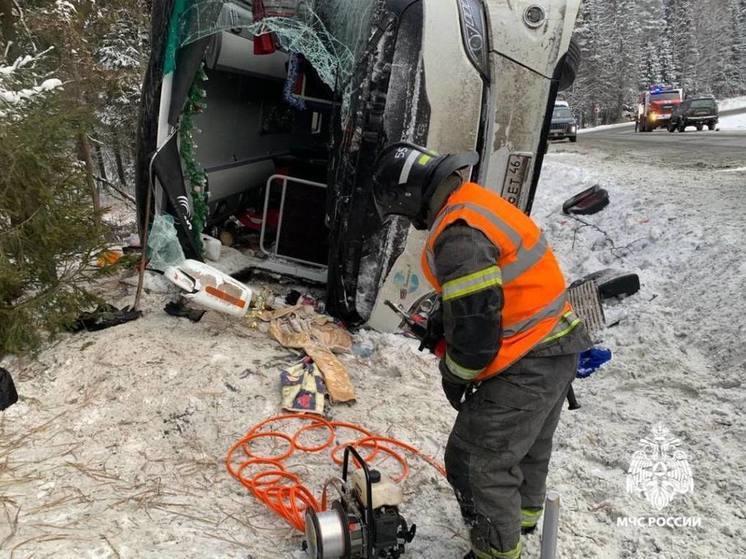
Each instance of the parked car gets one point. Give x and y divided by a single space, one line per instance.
563 124
698 112
296 153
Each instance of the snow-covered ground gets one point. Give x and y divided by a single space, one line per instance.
733 122
606 127
732 103
116 447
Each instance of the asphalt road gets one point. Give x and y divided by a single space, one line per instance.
706 149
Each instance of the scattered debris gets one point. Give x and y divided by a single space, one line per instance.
303 388
301 327
586 302
212 247
105 316
253 219
338 383
592 360
615 316
132 242
615 283
293 297
109 257
164 249
180 309
153 282
363 349
8 394
258 306
588 202
210 288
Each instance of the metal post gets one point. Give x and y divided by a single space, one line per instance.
265 211
281 214
551 524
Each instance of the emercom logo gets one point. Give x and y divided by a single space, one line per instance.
660 472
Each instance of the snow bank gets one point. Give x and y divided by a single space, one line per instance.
734 103
606 127
733 122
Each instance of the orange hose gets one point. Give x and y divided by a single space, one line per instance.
249 438
319 448
283 492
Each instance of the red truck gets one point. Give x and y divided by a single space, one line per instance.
655 106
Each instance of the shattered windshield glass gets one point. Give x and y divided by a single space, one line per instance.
328 33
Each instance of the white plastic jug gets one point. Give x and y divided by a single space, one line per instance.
212 247
210 288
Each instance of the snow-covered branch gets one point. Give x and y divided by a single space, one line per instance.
19 83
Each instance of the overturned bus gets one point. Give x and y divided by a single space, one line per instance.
274 112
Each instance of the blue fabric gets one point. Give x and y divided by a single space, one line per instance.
294 69
591 361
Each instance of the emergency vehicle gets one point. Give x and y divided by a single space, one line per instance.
655 106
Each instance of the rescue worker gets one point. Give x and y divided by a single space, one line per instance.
512 338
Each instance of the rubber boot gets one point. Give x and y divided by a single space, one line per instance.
530 519
514 553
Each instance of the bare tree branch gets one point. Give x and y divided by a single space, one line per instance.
127 197
25 27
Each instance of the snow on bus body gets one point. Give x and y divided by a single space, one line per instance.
505 124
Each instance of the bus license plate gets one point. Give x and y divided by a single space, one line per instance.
515 179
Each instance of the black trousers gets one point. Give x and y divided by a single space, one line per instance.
497 456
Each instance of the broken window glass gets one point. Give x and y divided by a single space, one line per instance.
328 33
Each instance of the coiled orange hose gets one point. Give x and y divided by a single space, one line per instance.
283 491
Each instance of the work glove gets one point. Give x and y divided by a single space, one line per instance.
454 391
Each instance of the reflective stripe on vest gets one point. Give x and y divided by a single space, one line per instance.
567 324
535 297
526 258
552 309
473 283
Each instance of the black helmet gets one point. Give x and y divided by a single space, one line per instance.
407 175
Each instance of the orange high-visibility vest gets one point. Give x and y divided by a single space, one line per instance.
533 285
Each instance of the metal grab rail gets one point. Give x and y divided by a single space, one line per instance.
275 253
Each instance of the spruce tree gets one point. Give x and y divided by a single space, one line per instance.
49 232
